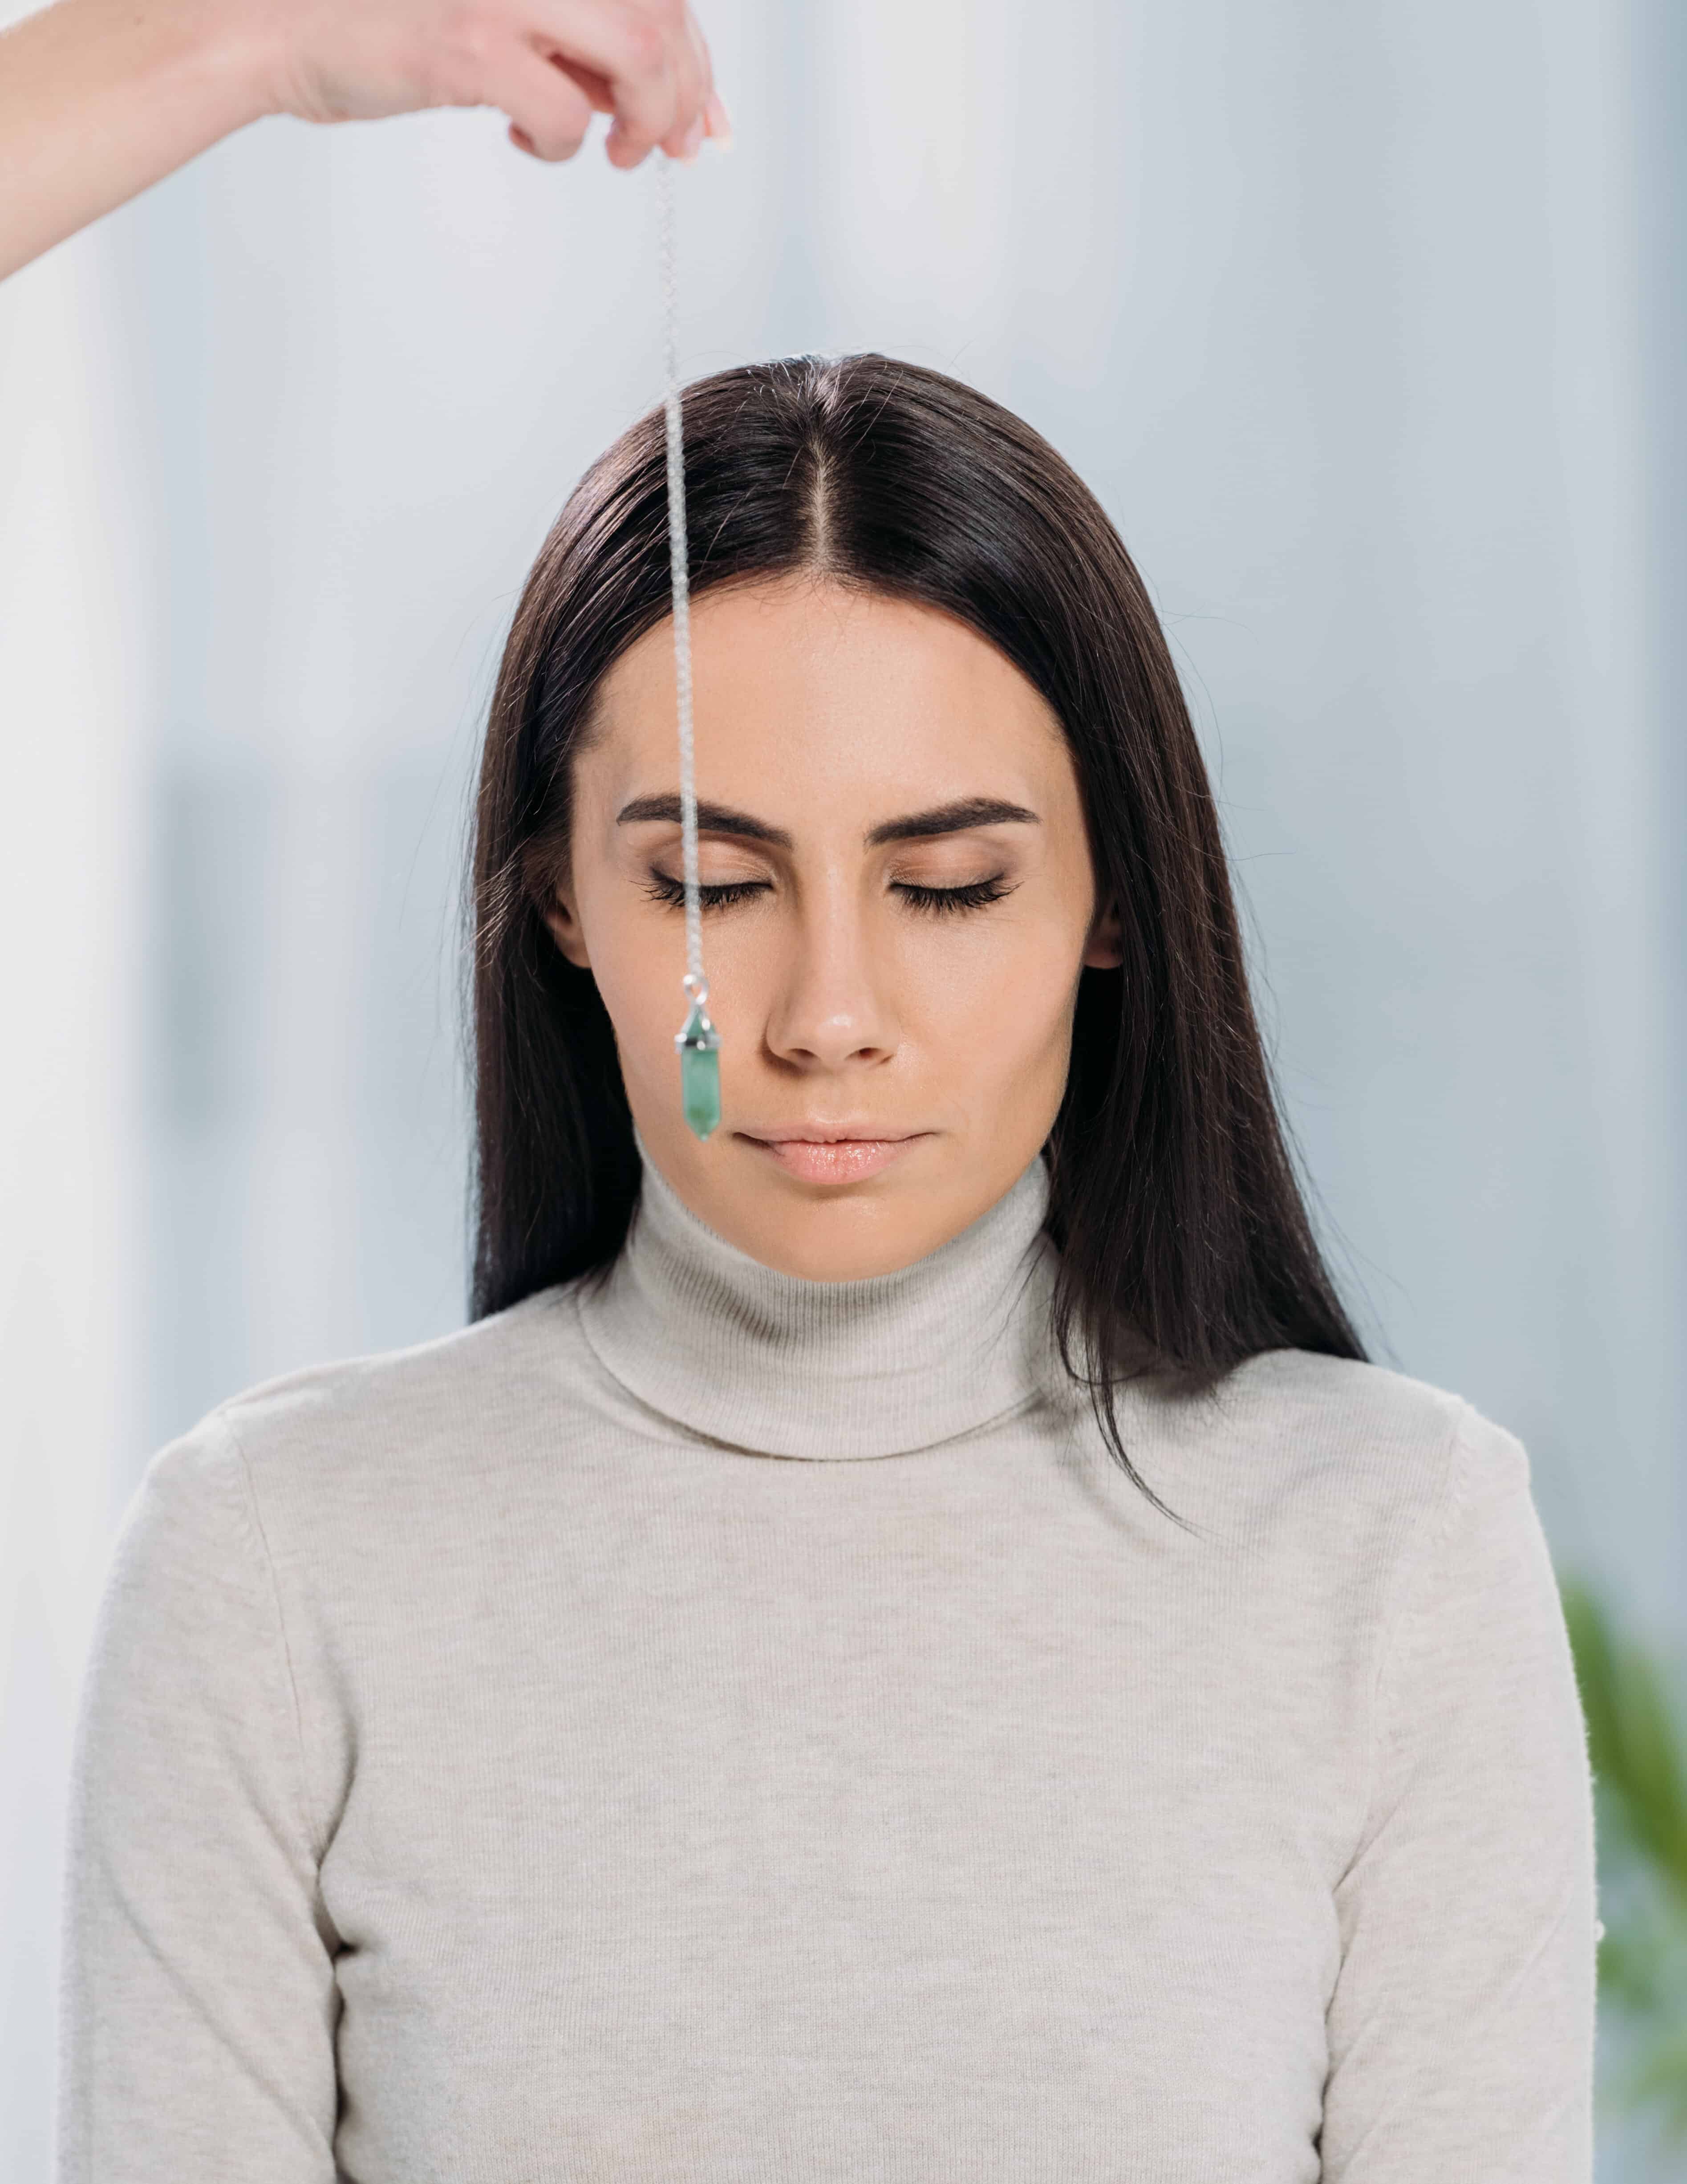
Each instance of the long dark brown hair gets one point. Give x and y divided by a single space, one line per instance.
1181 1229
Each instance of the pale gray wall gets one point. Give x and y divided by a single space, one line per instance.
1364 323
1349 339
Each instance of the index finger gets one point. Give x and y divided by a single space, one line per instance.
696 88
641 55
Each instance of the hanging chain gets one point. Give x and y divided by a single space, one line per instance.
697 1041
696 985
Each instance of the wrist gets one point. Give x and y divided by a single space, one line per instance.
212 59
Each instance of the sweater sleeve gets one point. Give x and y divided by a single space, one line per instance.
1460 2028
198 2003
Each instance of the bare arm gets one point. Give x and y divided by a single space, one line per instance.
99 98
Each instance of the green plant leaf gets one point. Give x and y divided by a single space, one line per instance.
1636 1745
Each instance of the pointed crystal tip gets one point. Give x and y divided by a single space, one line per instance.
700 1088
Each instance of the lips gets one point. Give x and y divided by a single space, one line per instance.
829 1134
819 1154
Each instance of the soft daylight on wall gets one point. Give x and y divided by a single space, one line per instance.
1364 323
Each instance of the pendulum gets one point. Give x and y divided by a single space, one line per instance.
700 1052
697 1041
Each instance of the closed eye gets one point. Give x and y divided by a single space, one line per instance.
665 888
975 895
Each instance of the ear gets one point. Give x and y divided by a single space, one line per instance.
557 909
1104 950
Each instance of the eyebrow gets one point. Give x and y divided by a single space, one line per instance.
956 818
711 819
967 811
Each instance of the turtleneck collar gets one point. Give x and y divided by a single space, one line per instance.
783 1366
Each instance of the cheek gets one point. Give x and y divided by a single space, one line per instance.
1008 1000
638 980
635 1011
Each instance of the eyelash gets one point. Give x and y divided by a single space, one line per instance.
977 894
939 902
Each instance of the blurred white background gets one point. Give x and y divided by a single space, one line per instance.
1364 322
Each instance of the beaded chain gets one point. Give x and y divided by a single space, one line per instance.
697 1041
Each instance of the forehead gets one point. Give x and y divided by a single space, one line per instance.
805 682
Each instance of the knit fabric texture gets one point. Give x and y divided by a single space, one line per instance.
703 1726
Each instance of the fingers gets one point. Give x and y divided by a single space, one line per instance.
548 64
685 139
652 60
710 118
715 122
643 62
548 112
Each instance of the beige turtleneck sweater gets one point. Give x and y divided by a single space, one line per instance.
717 1727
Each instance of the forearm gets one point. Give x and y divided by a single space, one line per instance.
98 98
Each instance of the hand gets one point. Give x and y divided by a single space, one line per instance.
549 64
100 98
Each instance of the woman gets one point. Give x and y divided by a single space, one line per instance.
905 1640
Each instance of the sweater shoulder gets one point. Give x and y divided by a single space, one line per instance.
1330 1401
456 1395
1294 1442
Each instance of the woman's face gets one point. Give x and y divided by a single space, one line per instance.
892 814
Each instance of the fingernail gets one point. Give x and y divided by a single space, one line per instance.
719 122
692 142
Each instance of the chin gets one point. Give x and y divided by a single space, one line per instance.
832 1232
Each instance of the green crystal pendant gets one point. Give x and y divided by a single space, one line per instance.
699 1053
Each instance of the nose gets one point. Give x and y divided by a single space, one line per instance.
831 1008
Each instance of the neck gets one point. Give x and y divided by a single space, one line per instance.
783 1366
